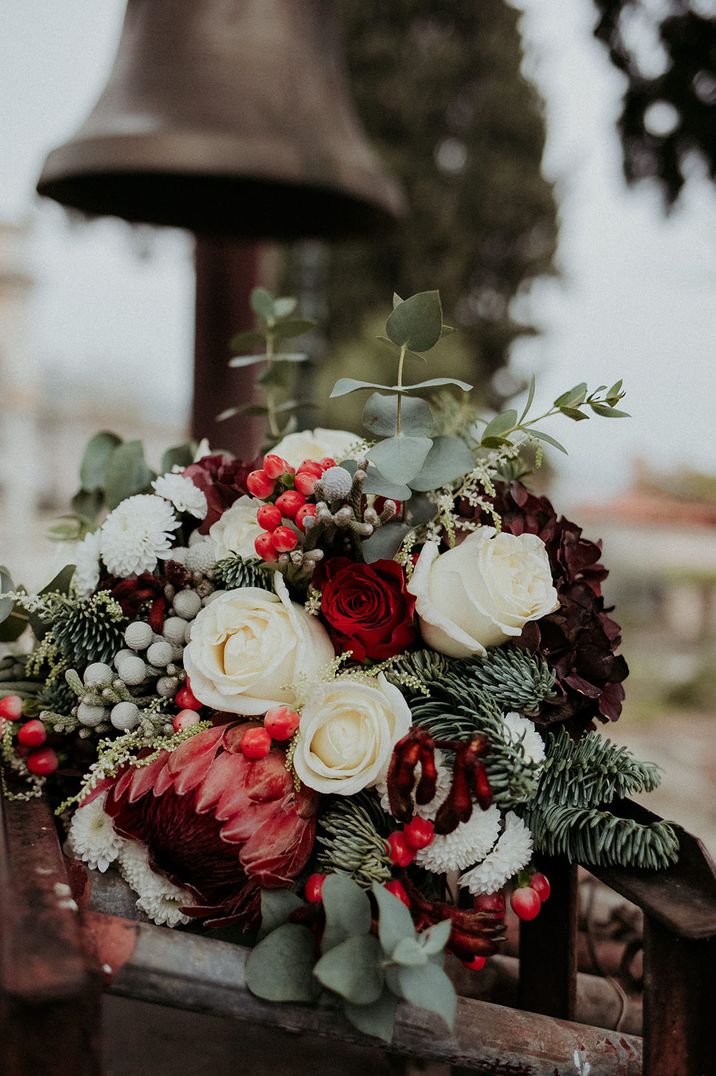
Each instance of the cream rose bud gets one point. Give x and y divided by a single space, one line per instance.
347 733
237 529
482 592
315 445
249 648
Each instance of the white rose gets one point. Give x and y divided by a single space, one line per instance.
237 529
315 445
482 592
347 733
249 647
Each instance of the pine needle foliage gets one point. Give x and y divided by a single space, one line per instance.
352 840
591 772
84 629
234 572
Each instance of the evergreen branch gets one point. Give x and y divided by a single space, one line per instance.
234 572
352 840
591 771
600 838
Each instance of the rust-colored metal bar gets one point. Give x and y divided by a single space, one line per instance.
226 272
49 997
679 1025
548 946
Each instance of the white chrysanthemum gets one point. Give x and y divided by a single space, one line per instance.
92 837
158 898
512 852
182 493
442 787
136 534
466 845
521 730
86 558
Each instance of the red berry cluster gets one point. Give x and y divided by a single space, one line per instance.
279 724
527 900
40 760
286 490
403 844
313 890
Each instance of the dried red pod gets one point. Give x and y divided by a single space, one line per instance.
483 791
401 773
427 785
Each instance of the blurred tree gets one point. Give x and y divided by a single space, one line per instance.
668 53
439 88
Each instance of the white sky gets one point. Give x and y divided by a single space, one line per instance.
636 299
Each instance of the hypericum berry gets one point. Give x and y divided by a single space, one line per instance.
310 467
43 762
327 462
11 707
255 743
290 502
302 513
275 466
419 833
525 902
185 719
314 888
186 698
540 884
305 482
32 734
281 722
263 544
260 485
284 539
398 890
491 902
269 516
401 854
476 964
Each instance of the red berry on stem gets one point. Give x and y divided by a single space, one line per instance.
476 964
11 707
310 467
255 743
43 762
185 719
491 902
398 890
419 833
305 482
314 888
525 902
32 734
260 485
269 516
290 502
401 854
186 698
540 884
281 722
275 466
284 539
263 544
302 513
327 462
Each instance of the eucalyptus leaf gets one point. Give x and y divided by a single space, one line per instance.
178 456
396 300
127 473
262 304
276 907
12 627
97 454
88 505
378 484
385 542
608 412
400 458
436 382
428 987
248 341
353 969
6 584
286 330
548 440
285 306
436 938
280 967
500 424
416 322
394 920
380 413
377 1019
344 385
347 910
530 398
573 413
239 361
409 953
449 458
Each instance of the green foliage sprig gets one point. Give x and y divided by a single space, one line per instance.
275 325
235 571
352 839
367 974
591 771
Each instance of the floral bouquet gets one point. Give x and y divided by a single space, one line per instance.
337 697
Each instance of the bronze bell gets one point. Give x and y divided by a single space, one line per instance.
227 117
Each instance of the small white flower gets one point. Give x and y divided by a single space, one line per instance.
86 558
136 534
442 788
158 898
182 493
92 837
512 852
520 729
466 845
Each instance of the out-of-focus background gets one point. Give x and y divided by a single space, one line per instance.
502 123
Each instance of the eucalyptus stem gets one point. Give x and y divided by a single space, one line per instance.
273 426
399 404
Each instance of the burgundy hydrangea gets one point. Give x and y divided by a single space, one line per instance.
223 480
579 640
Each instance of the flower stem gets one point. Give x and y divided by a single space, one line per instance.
399 404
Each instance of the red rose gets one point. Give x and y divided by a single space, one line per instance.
366 607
